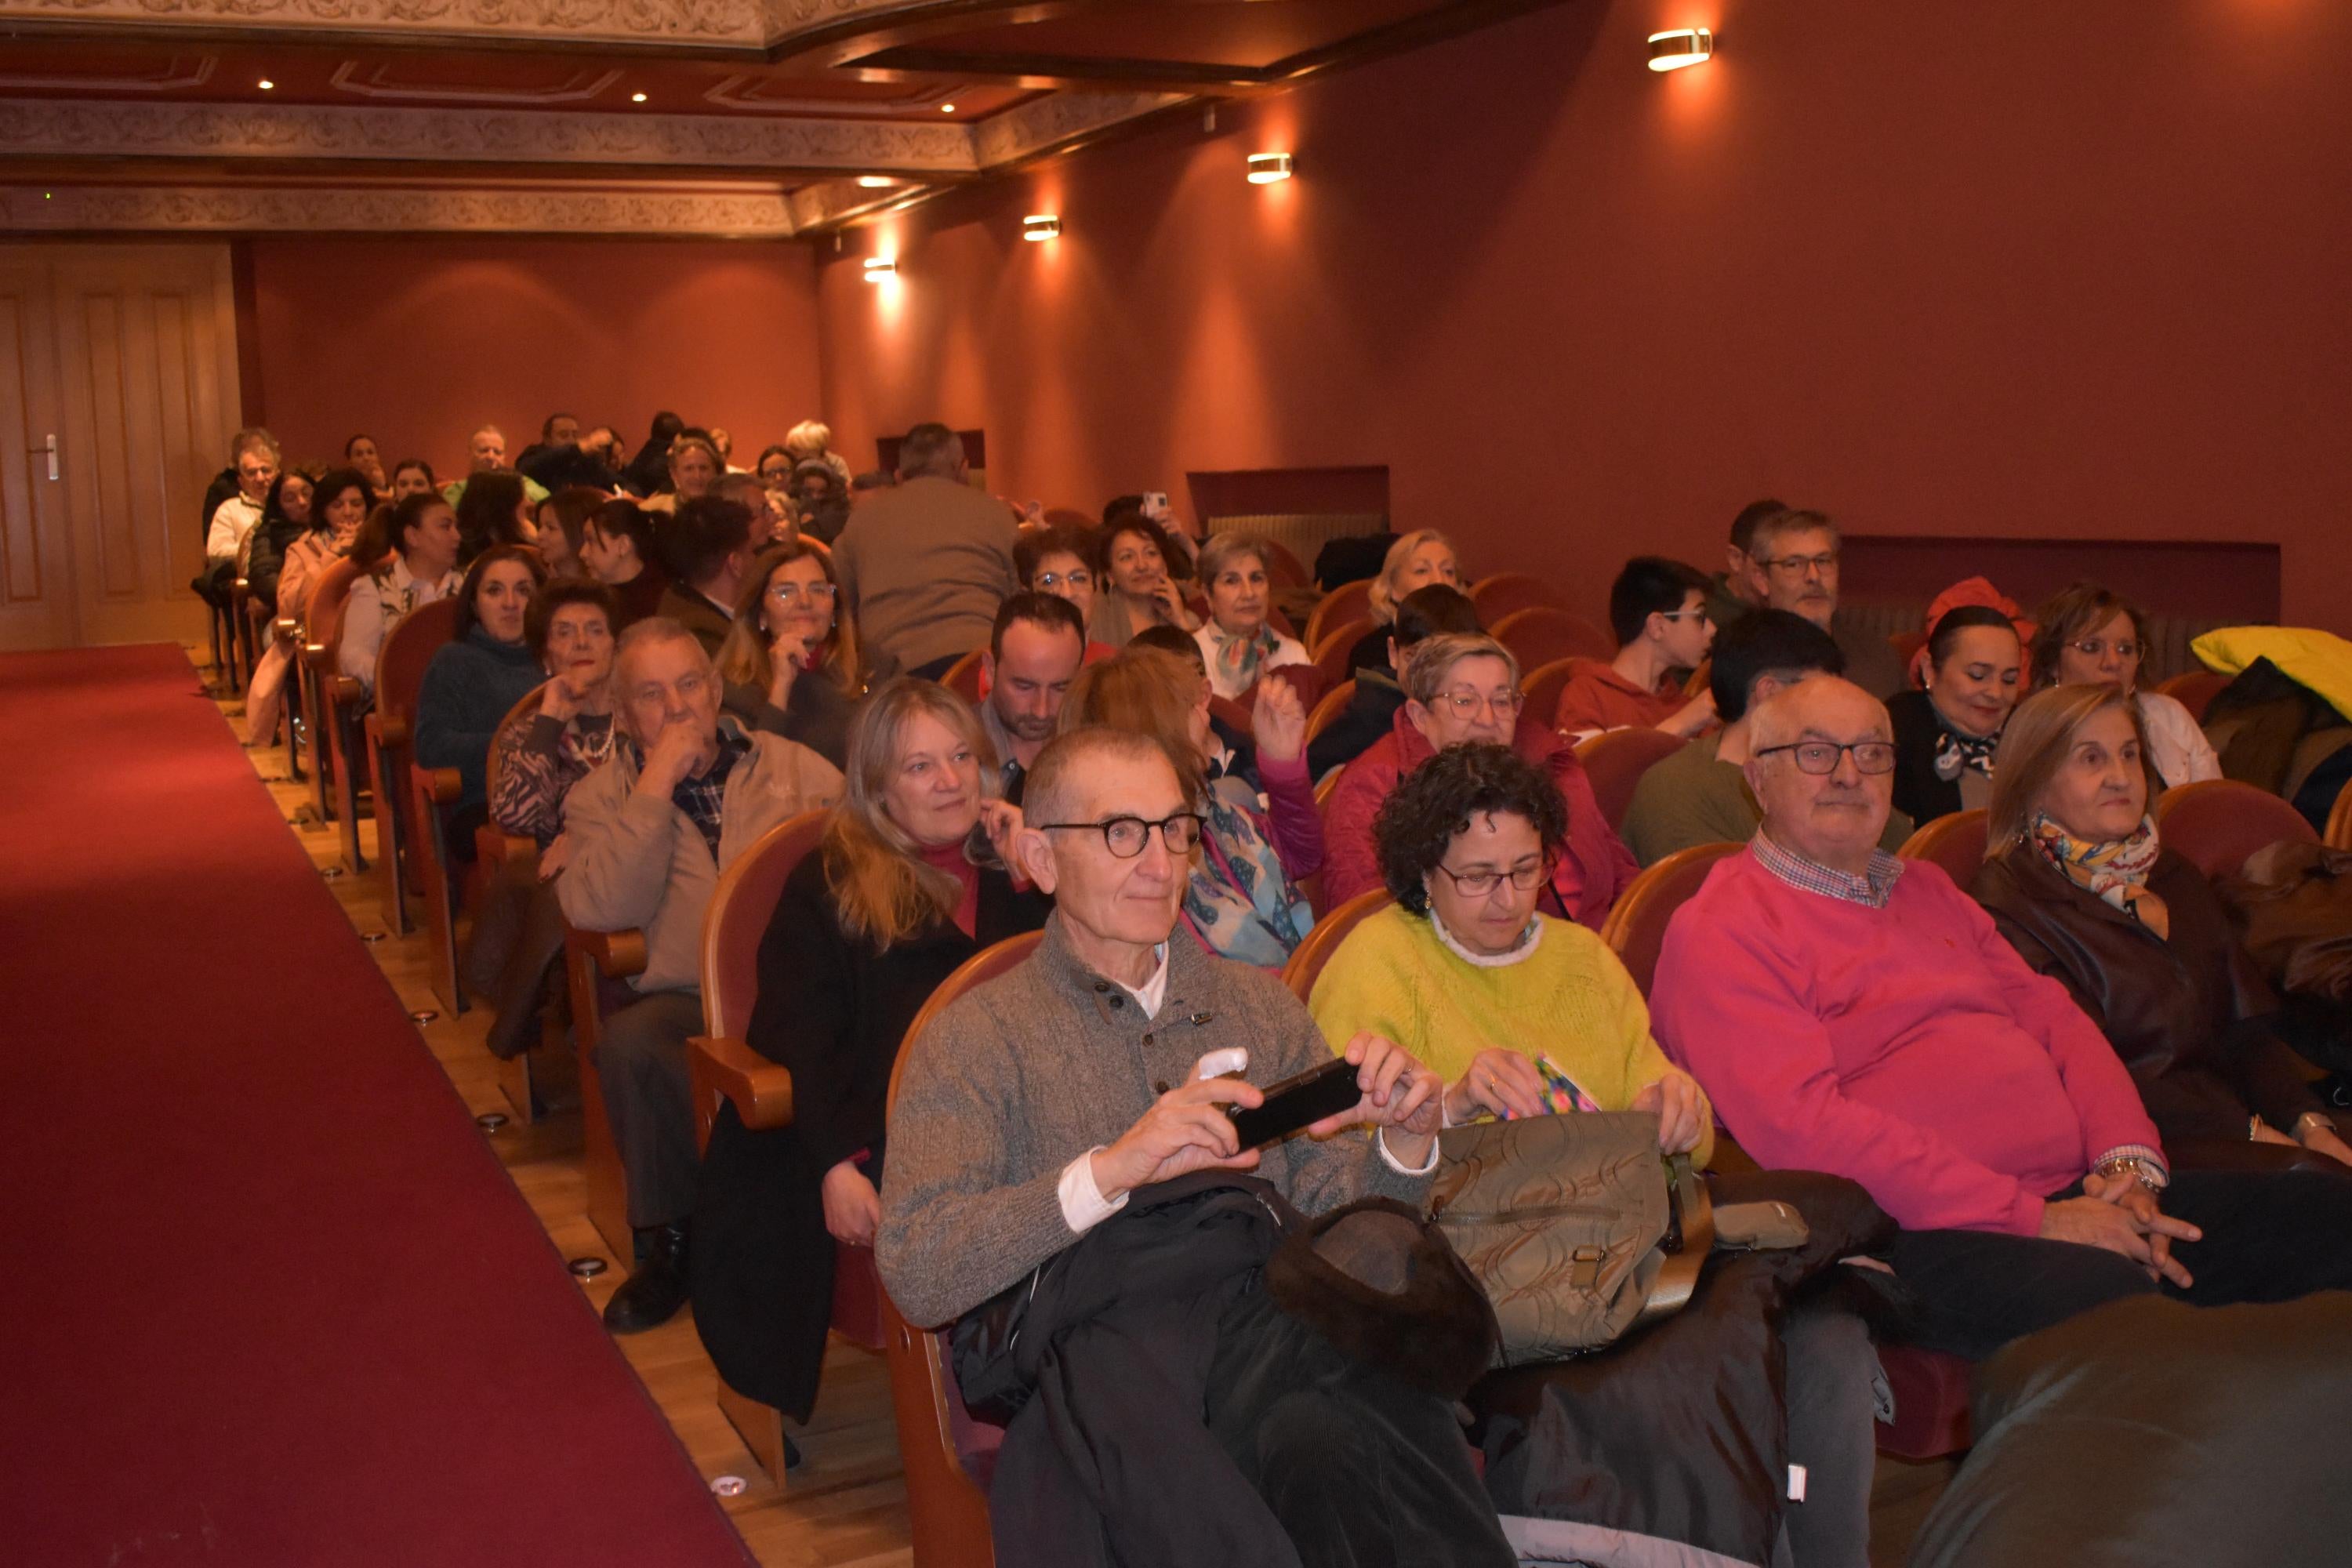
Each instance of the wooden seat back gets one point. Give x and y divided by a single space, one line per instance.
1327 713
963 676
946 1510
1283 567
1347 604
1635 929
1507 592
2217 822
1615 761
1539 691
1541 635
1331 654
732 927
408 648
1955 842
1306 963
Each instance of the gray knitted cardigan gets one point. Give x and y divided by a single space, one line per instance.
1022 1076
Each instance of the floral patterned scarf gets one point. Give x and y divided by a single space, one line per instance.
1240 903
2116 872
1238 656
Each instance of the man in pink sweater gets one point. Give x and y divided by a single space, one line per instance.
1852 1012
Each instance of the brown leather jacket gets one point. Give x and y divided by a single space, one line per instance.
2189 1015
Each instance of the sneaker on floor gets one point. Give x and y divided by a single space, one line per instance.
656 1290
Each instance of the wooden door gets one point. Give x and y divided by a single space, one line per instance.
36 584
147 363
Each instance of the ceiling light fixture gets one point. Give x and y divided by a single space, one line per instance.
265 84
1682 47
947 109
636 97
1041 226
877 267
877 182
1266 168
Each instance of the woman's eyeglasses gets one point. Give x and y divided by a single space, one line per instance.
786 593
1480 884
1466 704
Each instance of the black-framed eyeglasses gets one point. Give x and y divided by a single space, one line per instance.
1481 884
1799 566
1125 836
1820 758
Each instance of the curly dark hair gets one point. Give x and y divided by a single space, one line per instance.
1418 822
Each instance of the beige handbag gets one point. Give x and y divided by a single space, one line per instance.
1574 1225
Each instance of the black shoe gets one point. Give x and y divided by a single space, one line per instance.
656 1290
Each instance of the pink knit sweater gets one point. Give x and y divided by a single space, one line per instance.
1908 1048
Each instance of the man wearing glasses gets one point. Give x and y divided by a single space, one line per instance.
1036 1105
1852 1012
1793 565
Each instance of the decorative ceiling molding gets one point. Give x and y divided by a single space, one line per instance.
656 23
568 210
1043 123
580 84
173 75
30 126
742 92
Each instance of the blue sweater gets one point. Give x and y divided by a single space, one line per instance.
468 687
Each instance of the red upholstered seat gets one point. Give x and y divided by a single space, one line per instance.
2218 822
1931 1403
1956 843
2194 691
1615 761
1636 929
1346 605
1541 635
1506 593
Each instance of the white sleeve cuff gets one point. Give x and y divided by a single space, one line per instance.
1380 1141
1083 1205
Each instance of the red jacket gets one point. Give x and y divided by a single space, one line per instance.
1588 878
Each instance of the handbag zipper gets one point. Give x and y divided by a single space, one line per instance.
1500 1217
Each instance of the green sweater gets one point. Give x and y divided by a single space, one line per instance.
1569 999
1691 798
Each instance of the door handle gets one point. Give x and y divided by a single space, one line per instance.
49 450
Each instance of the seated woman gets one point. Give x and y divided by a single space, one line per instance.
889 906
616 547
418 567
1372 706
1133 588
1945 736
1414 561
285 567
563 519
475 679
789 661
1237 640
1460 689
2077 880
694 466
2088 637
538 757
495 509
414 476
1244 901
286 517
1054 561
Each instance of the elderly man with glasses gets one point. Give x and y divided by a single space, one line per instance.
1458 689
1040 1120
1793 565
1852 1012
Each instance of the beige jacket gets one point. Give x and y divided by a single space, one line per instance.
637 862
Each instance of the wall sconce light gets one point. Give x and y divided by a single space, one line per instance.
1041 226
1266 168
876 182
1682 47
878 268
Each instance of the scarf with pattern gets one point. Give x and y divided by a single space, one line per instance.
1239 655
2116 872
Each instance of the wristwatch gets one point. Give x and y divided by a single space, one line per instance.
2148 1173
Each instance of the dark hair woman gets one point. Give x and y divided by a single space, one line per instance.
495 509
419 566
1945 736
1133 587
865 930
477 678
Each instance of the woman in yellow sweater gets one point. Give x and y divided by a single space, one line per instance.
1462 973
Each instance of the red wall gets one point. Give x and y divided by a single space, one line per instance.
1951 267
417 341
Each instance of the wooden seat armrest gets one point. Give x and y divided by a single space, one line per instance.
316 656
389 731
618 954
509 854
759 1090
286 631
441 785
243 585
346 692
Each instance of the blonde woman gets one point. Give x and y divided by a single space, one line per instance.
789 661
1414 561
867 928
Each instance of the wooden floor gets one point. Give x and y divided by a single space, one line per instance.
846 1504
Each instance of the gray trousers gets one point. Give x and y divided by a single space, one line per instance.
1833 1388
641 1066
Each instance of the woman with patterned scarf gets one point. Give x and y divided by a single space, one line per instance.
1235 639
2077 880
1244 901
1945 736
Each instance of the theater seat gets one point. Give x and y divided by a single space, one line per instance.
391 728
1539 690
1330 653
1615 761
2194 691
1328 711
1636 929
1931 1403
939 1446
1506 593
1343 606
597 966
1955 842
1329 932
963 677
1542 634
328 711
2217 822
2339 821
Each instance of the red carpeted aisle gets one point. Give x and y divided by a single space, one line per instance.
270 1297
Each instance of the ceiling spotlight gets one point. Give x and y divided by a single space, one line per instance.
1041 226
1266 168
1682 47
947 109
877 267
877 182
265 84
636 97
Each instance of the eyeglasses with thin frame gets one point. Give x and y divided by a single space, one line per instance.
2096 647
1800 566
1481 884
1466 704
1820 758
1048 581
786 592
1125 836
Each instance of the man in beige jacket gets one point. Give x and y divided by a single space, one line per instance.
650 833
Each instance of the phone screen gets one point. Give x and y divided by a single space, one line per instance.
1297 1102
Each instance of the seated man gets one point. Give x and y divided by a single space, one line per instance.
1033 1109
708 545
1793 565
1657 608
650 831
1859 1015
1698 796
1033 653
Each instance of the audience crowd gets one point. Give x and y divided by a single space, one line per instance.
2053 1080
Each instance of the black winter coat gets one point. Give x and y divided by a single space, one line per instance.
833 1010
271 541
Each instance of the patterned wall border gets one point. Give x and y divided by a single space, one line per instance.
701 23
568 210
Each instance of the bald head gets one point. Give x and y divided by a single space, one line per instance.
1836 816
